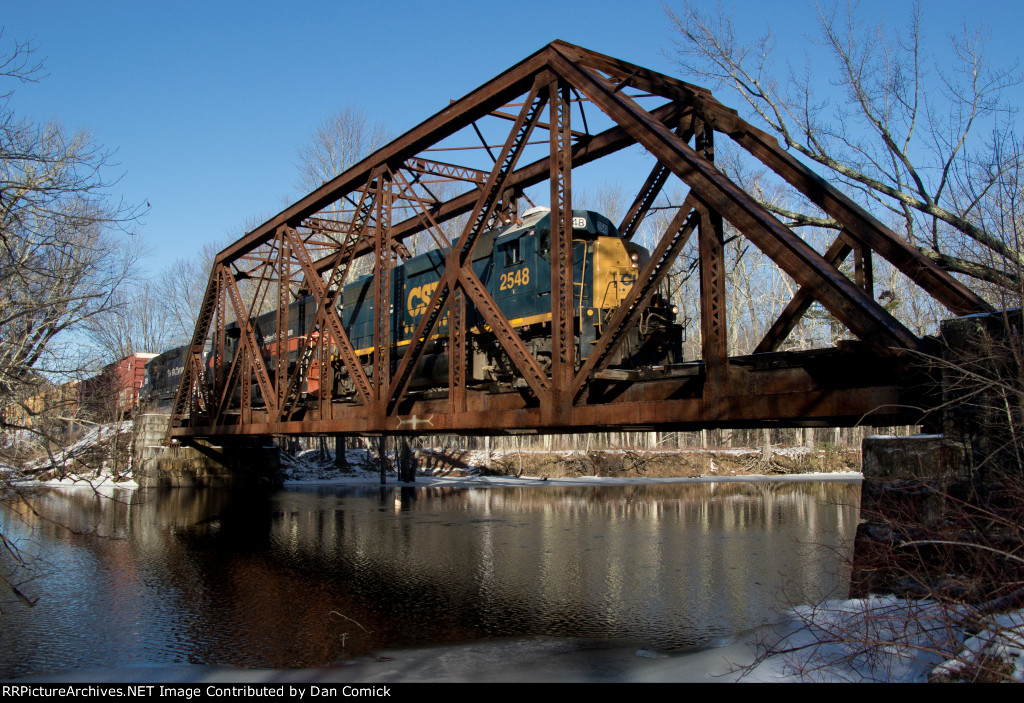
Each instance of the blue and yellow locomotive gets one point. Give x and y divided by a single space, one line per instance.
514 264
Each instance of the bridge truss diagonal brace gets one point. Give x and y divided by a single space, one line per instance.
327 312
645 198
227 386
637 298
800 304
422 211
248 341
859 312
598 146
506 335
316 340
241 366
187 387
858 224
458 263
482 101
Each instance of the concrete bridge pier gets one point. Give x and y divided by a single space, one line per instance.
251 462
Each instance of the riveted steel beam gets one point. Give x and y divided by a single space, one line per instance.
800 303
186 387
604 144
856 221
458 267
563 331
252 348
640 294
385 261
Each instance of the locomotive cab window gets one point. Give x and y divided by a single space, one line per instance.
513 253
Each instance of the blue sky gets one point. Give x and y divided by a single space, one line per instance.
207 102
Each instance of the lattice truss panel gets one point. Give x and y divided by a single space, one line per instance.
468 169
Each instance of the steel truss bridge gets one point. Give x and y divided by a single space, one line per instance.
539 117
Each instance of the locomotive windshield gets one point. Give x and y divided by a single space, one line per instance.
586 224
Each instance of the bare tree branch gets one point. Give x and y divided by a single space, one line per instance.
888 132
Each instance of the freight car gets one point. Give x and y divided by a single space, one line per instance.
514 265
160 382
163 373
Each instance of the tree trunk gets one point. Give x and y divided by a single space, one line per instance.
340 460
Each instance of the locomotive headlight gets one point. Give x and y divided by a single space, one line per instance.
634 257
675 309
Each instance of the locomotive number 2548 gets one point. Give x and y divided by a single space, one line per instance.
512 279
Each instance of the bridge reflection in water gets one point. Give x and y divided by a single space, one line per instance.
314 576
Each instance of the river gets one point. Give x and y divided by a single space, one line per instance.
323 576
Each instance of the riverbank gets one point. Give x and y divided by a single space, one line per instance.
622 464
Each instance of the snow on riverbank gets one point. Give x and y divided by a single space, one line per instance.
890 639
812 653
100 458
471 468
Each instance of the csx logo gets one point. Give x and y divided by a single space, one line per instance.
418 299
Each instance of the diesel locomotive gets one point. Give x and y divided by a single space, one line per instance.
514 264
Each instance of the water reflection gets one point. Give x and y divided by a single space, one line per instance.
307 577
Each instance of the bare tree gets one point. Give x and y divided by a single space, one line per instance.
65 254
180 288
62 251
609 199
924 141
338 141
137 321
929 146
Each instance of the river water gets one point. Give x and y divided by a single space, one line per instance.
326 575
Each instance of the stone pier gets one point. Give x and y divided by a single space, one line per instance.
243 462
930 504
908 482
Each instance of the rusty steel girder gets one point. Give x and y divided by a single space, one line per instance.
368 218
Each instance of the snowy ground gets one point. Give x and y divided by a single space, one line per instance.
838 641
102 474
308 467
877 639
